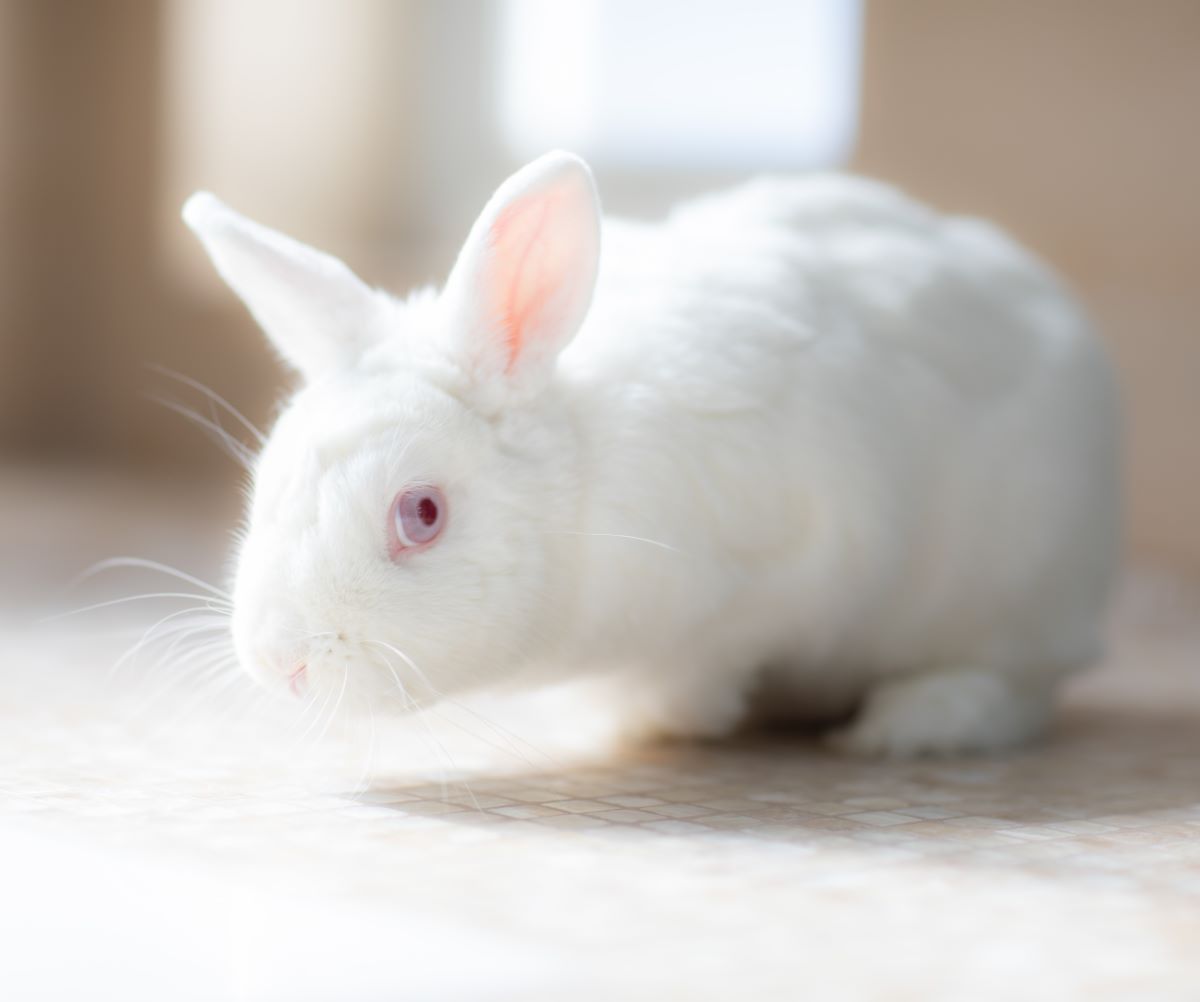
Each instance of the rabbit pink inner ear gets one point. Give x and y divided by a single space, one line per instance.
526 274
535 244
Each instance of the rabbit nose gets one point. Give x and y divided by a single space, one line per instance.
289 667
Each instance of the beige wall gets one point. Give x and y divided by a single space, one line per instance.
1073 122
86 306
1076 123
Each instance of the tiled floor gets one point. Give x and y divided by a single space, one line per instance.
207 849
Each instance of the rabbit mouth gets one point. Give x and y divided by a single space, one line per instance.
341 668
298 681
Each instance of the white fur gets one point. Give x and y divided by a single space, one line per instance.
810 436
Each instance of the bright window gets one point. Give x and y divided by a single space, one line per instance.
710 84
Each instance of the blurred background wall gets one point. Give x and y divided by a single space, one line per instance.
376 128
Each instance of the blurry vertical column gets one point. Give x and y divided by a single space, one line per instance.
457 158
111 112
77 150
297 113
8 256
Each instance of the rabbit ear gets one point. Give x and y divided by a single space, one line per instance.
524 279
313 308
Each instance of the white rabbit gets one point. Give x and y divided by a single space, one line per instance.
805 439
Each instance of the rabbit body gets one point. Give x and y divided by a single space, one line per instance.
814 447
880 445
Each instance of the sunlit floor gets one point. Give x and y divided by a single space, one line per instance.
162 841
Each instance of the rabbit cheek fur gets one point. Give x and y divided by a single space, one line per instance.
805 440
315 584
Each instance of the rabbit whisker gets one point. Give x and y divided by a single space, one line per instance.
152 565
234 448
614 535
214 397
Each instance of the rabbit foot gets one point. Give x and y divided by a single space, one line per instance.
945 713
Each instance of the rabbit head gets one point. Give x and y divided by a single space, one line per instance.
397 542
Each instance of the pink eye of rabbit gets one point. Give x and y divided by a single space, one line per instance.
417 516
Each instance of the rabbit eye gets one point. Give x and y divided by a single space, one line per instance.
417 516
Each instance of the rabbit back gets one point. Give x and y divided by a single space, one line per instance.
861 431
